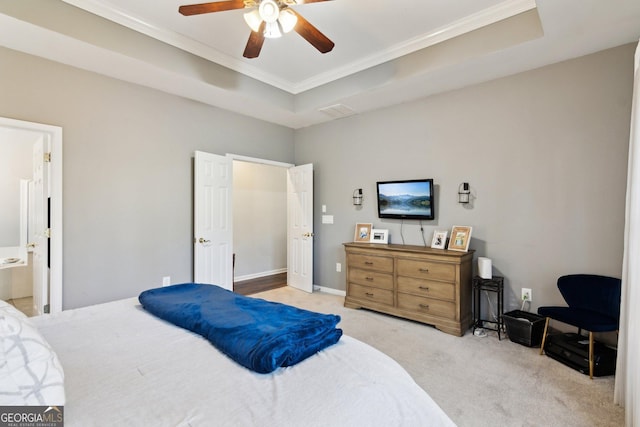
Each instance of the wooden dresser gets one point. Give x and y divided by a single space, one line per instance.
414 282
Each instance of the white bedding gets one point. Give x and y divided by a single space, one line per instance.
125 367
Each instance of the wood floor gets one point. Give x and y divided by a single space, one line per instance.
25 305
253 286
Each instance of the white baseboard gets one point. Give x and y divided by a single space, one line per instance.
331 291
258 275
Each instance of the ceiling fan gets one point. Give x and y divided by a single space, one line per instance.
267 19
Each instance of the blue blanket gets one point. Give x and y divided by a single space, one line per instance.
258 334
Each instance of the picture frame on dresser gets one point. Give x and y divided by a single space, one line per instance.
363 232
380 236
439 240
460 238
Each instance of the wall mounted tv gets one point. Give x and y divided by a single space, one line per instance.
409 199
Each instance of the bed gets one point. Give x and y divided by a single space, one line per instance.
124 366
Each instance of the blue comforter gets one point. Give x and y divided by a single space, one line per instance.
258 334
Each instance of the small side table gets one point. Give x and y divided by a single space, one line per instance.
495 284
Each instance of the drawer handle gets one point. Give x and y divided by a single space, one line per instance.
424 306
424 270
424 288
368 263
369 279
369 294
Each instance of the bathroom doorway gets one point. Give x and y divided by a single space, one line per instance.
31 218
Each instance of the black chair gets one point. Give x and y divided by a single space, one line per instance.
593 305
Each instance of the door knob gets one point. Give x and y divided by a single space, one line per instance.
31 245
201 240
307 234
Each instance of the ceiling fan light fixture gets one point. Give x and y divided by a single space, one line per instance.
253 20
272 30
269 11
287 20
266 19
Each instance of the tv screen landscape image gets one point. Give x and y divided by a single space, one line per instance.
409 199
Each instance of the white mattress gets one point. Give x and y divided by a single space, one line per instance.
125 367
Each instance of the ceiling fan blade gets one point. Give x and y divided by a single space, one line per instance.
255 42
216 6
312 34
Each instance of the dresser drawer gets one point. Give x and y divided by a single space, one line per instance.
381 296
371 278
429 306
426 288
371 262
426 269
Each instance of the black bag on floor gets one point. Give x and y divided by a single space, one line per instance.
573 350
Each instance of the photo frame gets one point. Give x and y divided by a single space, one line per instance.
460 237
362 232
379 236
439 240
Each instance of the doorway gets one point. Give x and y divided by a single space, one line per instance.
214 228
296 218
259 220
45 246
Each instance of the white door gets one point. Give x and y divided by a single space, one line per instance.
38 220
300 227
213 228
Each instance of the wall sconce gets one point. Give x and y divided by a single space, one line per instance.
463 193
357 197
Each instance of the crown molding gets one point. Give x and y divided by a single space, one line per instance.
114 14
472 22
467 24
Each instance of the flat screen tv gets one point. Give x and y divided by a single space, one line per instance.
409 199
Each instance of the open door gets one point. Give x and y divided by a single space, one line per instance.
213 228
38 220
300 227
49 202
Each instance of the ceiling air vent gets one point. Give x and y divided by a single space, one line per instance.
337 111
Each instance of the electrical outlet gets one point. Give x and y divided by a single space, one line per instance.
338 267
166 280
526 294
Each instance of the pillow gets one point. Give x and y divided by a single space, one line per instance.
30 372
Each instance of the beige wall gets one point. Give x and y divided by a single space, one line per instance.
128 152
16 163
545 153
259 219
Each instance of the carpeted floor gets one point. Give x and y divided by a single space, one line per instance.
477 381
